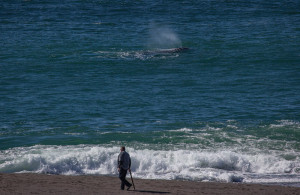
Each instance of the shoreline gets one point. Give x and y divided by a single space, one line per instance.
27 183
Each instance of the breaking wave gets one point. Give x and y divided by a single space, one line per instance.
196 165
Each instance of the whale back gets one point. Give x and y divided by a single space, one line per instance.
173 50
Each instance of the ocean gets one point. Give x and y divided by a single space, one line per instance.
79 79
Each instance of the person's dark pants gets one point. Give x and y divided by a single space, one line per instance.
122 176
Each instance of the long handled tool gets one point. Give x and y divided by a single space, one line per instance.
131 179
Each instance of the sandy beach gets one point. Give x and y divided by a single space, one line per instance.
60 184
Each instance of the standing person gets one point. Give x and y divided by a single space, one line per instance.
124 164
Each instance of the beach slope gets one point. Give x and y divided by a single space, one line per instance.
27 183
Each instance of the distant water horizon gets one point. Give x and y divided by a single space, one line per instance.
81 78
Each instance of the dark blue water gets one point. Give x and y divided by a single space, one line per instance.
80 78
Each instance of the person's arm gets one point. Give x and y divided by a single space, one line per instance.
129 163
119 162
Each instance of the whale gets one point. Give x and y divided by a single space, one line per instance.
173 50
143 54
166 51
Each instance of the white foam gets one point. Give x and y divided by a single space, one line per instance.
200 165
284 123
182 130
135 55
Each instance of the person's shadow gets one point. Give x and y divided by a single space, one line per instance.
150 191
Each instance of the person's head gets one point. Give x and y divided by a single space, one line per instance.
122 148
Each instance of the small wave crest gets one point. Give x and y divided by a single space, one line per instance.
195 165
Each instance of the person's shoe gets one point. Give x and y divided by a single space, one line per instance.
129 187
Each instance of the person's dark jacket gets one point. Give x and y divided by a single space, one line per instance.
124 160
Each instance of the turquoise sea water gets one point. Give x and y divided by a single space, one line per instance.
80 78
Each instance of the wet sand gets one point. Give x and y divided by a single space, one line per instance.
28 183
